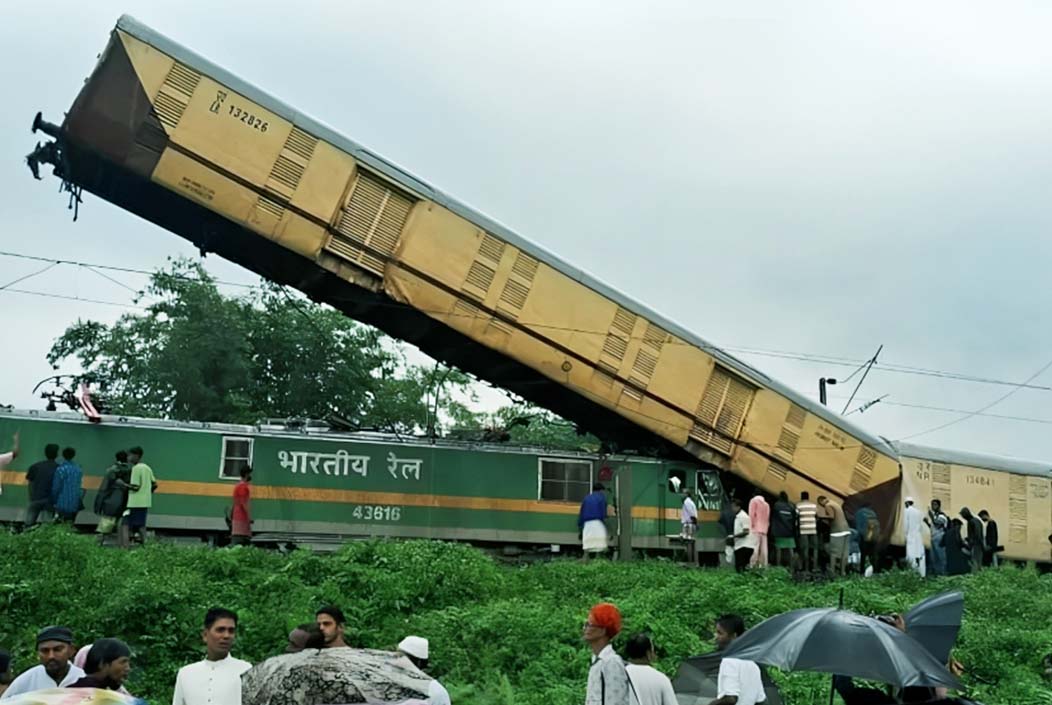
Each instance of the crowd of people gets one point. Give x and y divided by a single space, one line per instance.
633 680
123 500
216 679
811 536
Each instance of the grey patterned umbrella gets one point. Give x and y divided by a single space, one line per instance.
935 623
841 642
331 676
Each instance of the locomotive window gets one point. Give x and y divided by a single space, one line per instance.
561 480
237 453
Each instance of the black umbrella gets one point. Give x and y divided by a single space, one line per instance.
841 642
935 623
696 681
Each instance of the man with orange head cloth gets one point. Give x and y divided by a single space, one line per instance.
607 679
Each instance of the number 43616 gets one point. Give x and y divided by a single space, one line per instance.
377 512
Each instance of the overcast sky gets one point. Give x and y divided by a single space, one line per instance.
820 178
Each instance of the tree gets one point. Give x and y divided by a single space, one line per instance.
522 424
194 353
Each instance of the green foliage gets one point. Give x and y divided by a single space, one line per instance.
500 635
197 354
523 425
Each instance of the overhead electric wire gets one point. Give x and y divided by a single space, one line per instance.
947 410
73 298
820 359
978 411
28 276
804 357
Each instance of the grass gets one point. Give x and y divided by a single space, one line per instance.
500 635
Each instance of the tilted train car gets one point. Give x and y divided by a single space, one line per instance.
313 487
1017 493
167 135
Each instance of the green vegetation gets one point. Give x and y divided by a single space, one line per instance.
500 635
197 354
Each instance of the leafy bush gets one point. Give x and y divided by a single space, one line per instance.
500 635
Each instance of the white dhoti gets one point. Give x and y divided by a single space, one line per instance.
594 536
914 554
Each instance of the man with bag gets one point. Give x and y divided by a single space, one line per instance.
112 497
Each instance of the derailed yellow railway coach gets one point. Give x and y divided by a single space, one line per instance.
164 133
1017 493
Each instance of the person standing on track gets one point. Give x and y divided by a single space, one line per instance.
67 493
241 516
867 524
990 537
592 521
39 477
759 525
975 541
912 522
939 524
807 511
741 538
140 498
112 498
783 530
688 519
839 536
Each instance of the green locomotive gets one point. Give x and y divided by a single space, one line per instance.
317 487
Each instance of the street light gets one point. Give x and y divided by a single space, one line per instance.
822 382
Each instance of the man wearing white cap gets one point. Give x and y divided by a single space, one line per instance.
415 648
912 522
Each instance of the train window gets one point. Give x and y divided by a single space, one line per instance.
709 491
237 453
562 480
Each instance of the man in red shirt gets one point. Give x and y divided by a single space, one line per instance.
241 517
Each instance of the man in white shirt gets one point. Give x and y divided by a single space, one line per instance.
54 649
742 537
739 681
217 679
912 522
649 686
688 516
416 649
607 678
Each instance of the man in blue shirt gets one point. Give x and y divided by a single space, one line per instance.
592 521
66 492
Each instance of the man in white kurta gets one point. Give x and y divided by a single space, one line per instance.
913 520
217 679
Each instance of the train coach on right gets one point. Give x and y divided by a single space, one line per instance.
1016 493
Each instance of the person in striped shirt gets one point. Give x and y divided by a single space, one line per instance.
807 511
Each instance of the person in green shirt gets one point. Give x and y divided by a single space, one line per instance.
140 494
